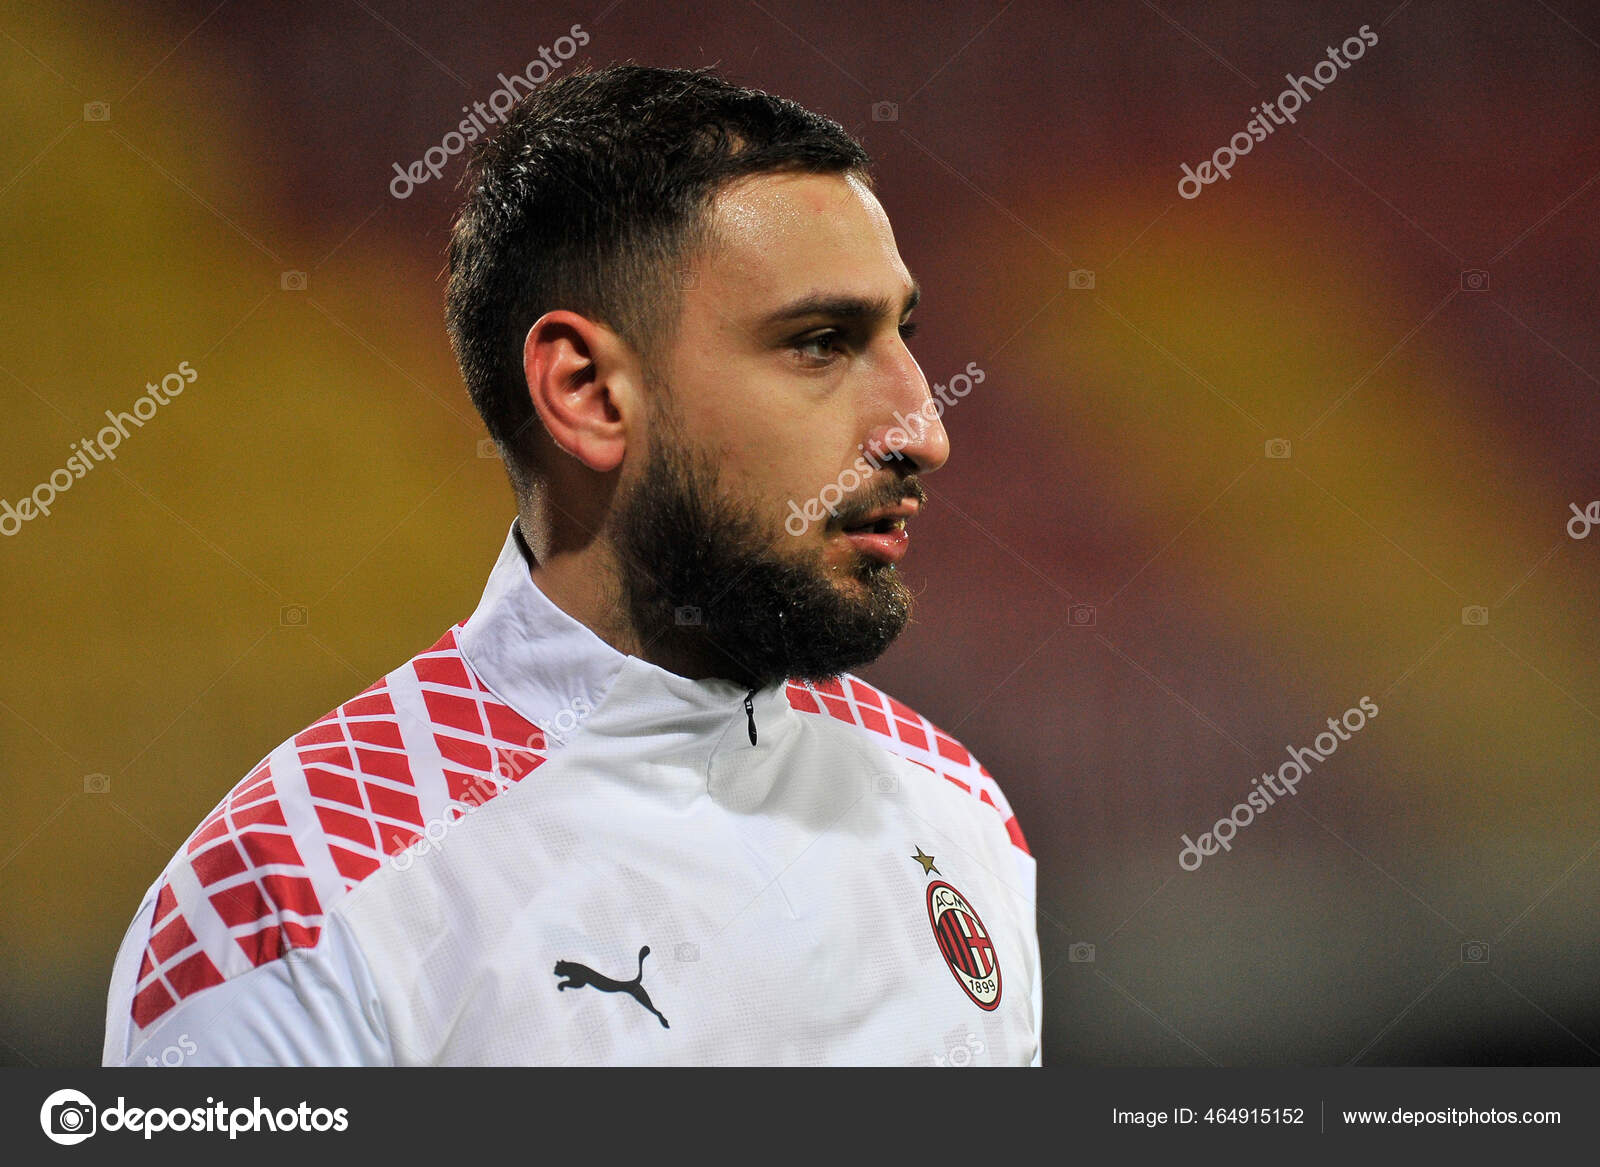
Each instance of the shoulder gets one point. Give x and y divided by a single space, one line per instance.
901 730
319 815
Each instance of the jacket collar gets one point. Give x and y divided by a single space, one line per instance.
554 670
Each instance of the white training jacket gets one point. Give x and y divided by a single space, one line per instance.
523 847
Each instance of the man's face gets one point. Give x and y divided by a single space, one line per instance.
788 371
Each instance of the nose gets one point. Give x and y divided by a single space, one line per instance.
909 423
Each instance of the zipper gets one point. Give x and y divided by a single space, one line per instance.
750 712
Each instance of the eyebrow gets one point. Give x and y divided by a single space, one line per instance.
842 307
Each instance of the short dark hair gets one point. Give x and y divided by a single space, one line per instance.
593 197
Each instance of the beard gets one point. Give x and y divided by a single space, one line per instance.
706 579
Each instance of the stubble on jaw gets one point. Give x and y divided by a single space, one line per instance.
711 589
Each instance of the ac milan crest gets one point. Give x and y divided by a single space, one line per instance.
965 943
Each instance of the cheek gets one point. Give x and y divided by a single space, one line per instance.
790 465
791 448
819 487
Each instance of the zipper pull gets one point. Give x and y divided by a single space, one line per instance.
750 712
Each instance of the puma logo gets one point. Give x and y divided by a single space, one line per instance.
578 975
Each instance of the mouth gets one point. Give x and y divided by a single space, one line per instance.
882 534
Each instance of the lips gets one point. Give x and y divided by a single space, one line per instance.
882 533
885 519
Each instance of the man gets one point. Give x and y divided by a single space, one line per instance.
635 809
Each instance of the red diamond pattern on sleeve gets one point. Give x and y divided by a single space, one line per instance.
902 730
361 796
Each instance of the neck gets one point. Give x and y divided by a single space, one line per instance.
586 583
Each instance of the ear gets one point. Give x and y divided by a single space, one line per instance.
583 381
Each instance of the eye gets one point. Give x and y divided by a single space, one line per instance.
821 347
908 330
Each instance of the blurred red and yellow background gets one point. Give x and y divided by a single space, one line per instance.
1128 609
